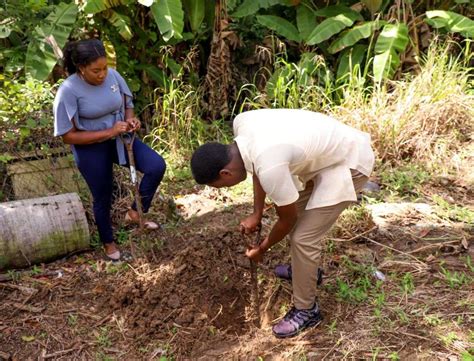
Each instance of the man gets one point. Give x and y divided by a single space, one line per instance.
311 166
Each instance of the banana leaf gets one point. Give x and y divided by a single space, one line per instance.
169 17
328 28
391 42
40 56
352 36
281 26
452 22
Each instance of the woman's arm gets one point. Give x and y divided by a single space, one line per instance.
83 137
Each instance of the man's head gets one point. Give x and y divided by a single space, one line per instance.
218 165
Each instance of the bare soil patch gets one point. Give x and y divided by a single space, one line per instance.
187 295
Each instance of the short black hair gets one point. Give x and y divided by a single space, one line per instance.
208 160
82 52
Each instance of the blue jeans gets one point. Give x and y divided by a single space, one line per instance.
95 162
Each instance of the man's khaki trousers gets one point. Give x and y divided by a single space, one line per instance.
306 241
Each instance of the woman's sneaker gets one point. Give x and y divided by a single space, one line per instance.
283 271
296 321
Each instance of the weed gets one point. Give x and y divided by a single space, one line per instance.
402 316
433 320
95 241
36 270
14 275
453 212
394 356
405 180
123 236
407 284
356 294
332 327
100 356
72 319
330 246
379 302
449 338
468 262
454 279
103 337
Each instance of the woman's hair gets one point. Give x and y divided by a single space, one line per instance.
82 52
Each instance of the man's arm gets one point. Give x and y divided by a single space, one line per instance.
287 217
252 222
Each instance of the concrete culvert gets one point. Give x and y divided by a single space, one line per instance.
41 229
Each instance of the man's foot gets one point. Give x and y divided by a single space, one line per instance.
112 253
132 217
296 321
283 271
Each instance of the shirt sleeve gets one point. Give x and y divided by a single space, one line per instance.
64 110
278 184
124 89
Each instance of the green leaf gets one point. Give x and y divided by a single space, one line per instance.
40 57
352 36
195 12
250 7
169 17
281 26
335 10
96 6
451 21
373 5
328 28
157 74
351 59
120 22
391 42
306 21
393 36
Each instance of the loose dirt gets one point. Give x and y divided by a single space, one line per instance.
187 295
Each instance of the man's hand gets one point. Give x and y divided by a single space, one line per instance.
133 124
255 253
250 224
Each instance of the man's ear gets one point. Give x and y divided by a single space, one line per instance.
225 172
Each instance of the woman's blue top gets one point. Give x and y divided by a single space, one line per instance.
92 107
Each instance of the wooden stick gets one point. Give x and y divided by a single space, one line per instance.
254 281
396 250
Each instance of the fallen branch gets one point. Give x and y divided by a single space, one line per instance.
23 289
356 236
60 353
27 308
396 250
432 246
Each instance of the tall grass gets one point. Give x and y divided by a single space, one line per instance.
177 124
426 118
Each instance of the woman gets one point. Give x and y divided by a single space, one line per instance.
92 108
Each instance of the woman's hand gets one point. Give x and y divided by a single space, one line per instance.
133 123
119 128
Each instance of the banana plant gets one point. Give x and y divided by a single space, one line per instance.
451 21
51 35
391 42
106 9
169 17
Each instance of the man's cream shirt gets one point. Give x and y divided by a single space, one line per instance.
288 147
